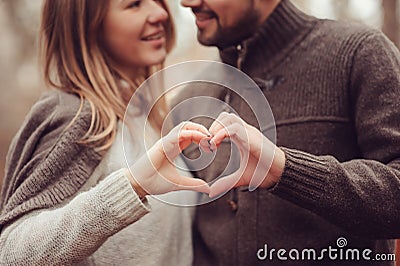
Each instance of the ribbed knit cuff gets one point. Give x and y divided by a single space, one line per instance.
304 179
122 200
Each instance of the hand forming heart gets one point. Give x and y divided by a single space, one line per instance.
155 172
261 163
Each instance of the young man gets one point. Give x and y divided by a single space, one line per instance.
334 89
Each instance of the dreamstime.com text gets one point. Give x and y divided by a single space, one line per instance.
334 253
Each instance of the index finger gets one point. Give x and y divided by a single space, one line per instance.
219 123
189 125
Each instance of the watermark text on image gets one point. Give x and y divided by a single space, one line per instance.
338 252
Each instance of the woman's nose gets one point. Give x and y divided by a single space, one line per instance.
191 3
157 13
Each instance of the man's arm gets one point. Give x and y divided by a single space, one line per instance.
362 195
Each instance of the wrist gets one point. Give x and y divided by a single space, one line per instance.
278 164
135 185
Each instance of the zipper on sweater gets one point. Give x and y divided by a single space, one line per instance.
241 50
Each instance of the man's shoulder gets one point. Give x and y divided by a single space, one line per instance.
343 31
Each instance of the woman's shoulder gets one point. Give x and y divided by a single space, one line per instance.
48 119
47 129
46 152
56 103
56 109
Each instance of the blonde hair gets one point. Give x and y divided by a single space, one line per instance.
74 61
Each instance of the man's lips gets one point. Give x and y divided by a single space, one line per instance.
203 18
204 15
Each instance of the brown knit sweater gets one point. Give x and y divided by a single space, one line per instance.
49 213
35 175
334 89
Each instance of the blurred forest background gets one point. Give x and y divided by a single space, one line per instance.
20 82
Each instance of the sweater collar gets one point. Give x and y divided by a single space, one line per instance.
281 29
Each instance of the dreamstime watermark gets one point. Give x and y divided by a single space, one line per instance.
333 253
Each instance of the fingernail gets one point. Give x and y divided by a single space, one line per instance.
252 188
211 145
204 145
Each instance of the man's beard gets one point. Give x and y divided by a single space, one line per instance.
245 27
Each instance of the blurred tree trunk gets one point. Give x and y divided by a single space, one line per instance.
390 20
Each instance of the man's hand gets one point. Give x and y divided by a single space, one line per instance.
261 163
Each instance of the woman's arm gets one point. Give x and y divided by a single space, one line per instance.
73 232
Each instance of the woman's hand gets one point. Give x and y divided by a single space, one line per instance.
261 163
155 172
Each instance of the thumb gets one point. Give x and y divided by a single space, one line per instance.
191 183
225 184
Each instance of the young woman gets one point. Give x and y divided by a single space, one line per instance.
67 196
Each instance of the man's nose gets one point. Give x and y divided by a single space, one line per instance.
191 3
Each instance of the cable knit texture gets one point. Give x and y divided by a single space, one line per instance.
50 213
334 90
39 170
69 235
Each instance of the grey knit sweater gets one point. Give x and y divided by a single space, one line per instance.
34 174
74 208
334 89
46 168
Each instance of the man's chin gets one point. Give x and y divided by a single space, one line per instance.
207 40
212 40
204 40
